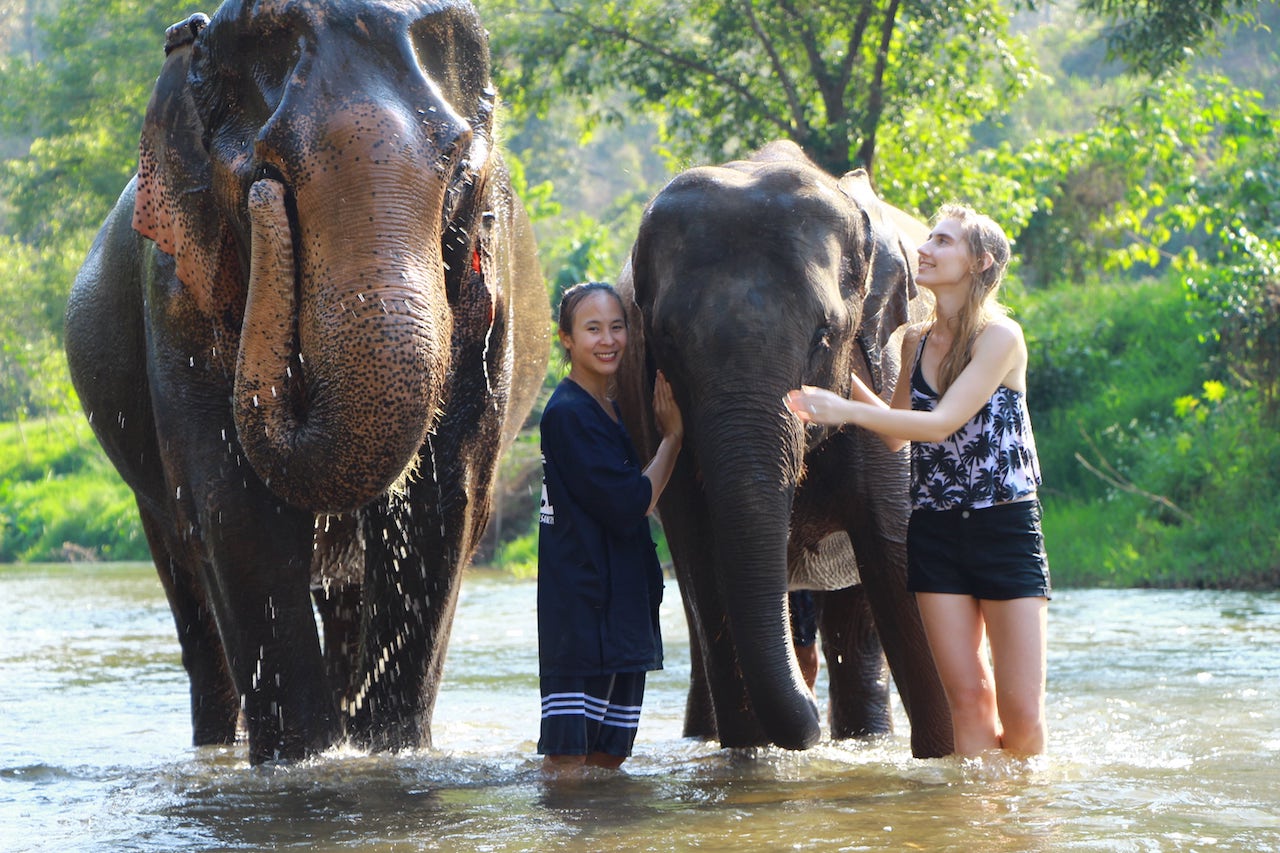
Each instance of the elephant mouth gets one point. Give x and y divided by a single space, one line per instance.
312 438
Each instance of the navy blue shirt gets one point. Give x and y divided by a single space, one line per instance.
599 581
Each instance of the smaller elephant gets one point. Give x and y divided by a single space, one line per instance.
304 336
747 280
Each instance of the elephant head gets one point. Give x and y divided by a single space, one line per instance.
749 279
320 170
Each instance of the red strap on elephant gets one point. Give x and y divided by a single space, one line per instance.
475 259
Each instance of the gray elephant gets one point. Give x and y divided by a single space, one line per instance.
304 335
747 280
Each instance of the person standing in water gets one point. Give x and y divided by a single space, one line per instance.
599 580
975 553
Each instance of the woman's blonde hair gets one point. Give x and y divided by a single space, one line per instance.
984 236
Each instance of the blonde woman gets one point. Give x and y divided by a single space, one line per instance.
976 557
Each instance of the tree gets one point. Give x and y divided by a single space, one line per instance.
101 60
76 90
1153 36
829 74
726 77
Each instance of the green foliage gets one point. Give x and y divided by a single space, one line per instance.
1157 182
1156 35
519 556
1105 360
1156 473
101 59
1241 300
724 78
60 498
960 79
33 371
1166 387
1216 523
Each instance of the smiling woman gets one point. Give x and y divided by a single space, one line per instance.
599 581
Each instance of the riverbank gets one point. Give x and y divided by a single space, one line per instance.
1161 467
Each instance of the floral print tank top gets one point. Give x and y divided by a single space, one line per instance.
989 460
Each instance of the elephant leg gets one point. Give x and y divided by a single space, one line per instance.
699 712
882 565
274 648
339 607
215 706
258 581
337 573
858 677
418 548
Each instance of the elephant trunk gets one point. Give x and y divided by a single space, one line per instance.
750 481
341 368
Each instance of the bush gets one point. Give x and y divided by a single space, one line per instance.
1196 508
60 498
1106 361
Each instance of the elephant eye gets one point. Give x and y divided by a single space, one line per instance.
821 343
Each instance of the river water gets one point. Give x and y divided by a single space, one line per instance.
1164 728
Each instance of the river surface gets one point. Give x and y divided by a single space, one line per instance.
1164 736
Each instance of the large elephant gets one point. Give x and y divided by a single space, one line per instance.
304 335
747 280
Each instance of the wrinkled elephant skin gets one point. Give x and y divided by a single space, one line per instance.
304 336
747 280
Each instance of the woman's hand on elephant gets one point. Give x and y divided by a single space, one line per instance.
819 406
666 411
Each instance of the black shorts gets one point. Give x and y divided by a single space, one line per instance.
592 714
994 553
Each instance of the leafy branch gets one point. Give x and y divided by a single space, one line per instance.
1109 475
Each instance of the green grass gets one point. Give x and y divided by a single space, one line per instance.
59 496
1182 483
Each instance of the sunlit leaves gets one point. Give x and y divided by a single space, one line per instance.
1154 36
723 78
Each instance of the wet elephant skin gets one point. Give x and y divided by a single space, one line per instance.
304 336
747 280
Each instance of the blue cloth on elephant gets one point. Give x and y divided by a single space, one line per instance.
599 580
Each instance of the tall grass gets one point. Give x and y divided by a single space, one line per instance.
60 498
1156 472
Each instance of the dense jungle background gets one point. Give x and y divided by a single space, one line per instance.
1129 147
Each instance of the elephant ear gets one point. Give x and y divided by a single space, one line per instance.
175 205
891 276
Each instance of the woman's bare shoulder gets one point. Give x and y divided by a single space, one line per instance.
1003 331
